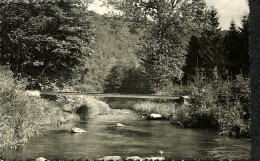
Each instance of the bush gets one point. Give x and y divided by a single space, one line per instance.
182 116
21 115
93 107
164 109
218 104
234 118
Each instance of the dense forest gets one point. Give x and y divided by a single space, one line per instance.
155 47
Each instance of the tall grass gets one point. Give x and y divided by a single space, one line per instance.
164 109
22 116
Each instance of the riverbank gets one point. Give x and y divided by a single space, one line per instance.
220 105
24 115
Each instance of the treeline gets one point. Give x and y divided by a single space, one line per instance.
179 41
61 45
224 52
167 42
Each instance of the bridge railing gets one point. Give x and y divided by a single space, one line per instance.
184 99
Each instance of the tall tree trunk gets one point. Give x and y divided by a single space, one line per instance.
255 78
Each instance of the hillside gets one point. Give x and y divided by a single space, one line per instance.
114 45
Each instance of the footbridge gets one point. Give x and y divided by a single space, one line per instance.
114 95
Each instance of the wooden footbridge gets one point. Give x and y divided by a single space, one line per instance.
114 95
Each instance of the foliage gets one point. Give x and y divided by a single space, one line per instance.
127 80
235 112
167 25
114 44
45 41
220 104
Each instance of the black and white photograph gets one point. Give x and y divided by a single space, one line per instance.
125 80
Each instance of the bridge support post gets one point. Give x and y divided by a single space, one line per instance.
185 100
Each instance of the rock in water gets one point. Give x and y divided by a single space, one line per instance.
155 158
155 116
77 130
110 158
41 159
160 152
119 125
134 158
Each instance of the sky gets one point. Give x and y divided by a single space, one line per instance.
228 10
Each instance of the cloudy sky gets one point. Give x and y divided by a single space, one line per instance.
227 9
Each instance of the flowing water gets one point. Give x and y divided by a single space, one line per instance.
138 137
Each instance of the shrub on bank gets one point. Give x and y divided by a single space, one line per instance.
219 104
93 107
166 110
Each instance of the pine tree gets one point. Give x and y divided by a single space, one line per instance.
205 48
244 45
232 50
209 43
193 57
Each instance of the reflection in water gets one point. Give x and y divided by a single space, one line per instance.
138 137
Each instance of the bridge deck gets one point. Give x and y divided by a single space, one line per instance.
114 95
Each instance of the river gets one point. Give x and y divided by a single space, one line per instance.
138 137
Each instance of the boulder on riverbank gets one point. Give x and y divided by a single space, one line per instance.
77 130
41 159
110 158
154 116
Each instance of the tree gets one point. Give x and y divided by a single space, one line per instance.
45 41
244 45
232 50
168 24
237 48
205 49
193 57
211 56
